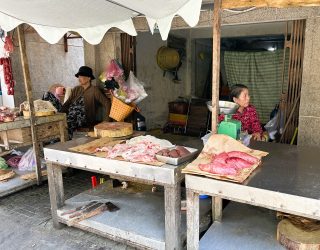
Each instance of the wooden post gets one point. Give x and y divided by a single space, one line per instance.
56 191
27 84
172 202
216 26
192 220
62 131
216 208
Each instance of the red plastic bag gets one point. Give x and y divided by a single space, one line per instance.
114 71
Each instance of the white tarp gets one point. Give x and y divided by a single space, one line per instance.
93 18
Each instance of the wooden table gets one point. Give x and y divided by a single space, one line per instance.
18 134
287 181
168 176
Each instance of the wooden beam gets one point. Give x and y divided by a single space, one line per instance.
215 63
28 88
231 4
65 42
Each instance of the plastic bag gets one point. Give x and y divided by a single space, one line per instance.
114 70
137 87
132 91
272 126
3 163
14 161
28 161
206 137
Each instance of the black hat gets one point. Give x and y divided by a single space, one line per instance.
85 71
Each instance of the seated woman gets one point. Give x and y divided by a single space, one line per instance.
81 106
246 112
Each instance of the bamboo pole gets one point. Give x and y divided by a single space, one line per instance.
27 84
216 26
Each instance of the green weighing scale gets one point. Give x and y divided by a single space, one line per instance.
230 127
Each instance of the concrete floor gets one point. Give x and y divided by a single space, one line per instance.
25 221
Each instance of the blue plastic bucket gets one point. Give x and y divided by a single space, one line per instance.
203 196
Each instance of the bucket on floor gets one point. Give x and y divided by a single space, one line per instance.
203 196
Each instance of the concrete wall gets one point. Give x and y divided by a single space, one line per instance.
309 117
48 64
98 56
202 63
161 90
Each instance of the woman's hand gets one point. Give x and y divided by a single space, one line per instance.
256 136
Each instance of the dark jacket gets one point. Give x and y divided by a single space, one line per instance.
92 97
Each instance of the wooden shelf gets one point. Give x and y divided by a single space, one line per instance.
246 227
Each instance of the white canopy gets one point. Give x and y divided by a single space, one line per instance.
93 18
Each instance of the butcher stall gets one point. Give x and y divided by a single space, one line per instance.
283 180
148 217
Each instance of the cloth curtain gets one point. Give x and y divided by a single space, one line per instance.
261 72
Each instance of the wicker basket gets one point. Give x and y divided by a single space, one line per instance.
120 110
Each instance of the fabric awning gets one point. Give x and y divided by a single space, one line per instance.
93 18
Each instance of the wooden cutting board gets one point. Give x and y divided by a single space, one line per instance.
113 129
293 237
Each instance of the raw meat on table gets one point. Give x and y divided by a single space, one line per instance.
142 149
229 163
238 163
177 152
243 156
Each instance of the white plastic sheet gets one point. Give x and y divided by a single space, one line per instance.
93 18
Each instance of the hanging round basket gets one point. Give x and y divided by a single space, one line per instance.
167 58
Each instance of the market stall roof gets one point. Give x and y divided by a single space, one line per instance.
93 18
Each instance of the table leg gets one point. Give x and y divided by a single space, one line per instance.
172 196
56 193
216 208
5 139
62 131
192 220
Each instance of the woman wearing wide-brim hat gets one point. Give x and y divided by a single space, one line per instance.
81 106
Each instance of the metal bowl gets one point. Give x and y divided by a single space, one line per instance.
225 107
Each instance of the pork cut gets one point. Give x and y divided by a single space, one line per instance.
243 156
218 168
238 163
229 163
